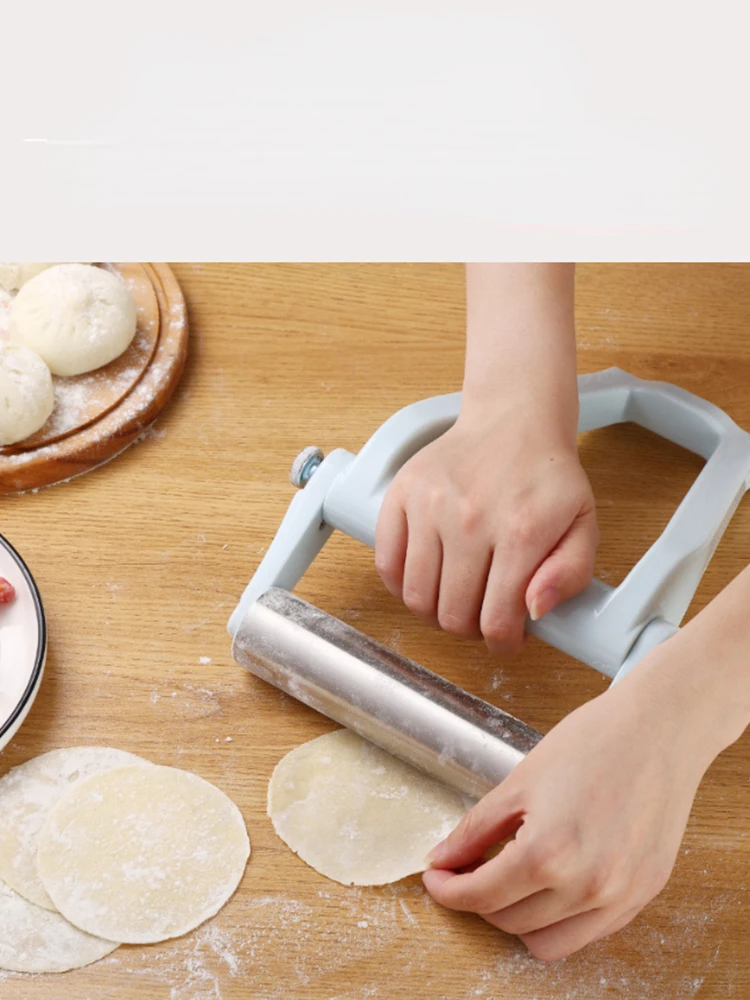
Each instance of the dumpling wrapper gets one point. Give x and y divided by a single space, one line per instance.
34 940
27 794
357 814
142 854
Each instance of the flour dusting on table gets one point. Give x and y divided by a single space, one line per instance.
275 946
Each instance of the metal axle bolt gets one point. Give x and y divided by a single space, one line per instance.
304 466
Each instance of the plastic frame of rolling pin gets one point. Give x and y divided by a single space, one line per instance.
608 628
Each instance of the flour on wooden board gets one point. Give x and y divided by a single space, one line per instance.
275 947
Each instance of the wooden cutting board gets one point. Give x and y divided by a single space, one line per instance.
97 415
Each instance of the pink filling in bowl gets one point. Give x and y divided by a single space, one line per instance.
23 643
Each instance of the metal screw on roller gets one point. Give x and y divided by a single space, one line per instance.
305 465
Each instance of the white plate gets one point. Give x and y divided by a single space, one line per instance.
23 643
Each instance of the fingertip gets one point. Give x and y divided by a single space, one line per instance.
543 603
434 879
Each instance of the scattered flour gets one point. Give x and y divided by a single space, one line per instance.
81 399
279 947
152 433
497 680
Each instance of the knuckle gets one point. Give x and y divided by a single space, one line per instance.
469 515
544 947
505 644
511 924
523 526
543 870
470 826
501 633
616 887
430 497
514 796
598 889
497 631
579 572
540 864
418 602
384 564
637 889
456 624
407 476
654 884
549 861
465 831
473 899
391 508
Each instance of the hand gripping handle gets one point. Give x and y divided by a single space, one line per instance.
603 626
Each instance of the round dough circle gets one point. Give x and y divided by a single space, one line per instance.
76 316
357 814
26 393
140 855
15 276
27 794
35 940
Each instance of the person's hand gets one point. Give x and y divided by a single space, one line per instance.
598 809
493 520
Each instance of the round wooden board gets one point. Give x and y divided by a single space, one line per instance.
82 399
116 404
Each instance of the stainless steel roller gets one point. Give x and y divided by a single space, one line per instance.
391 701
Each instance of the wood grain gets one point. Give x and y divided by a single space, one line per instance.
141 564
117 402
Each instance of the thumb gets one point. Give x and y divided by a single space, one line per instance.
567 570
489 822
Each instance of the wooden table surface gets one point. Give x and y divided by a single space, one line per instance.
141 561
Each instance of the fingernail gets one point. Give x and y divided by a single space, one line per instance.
543 603
436 853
